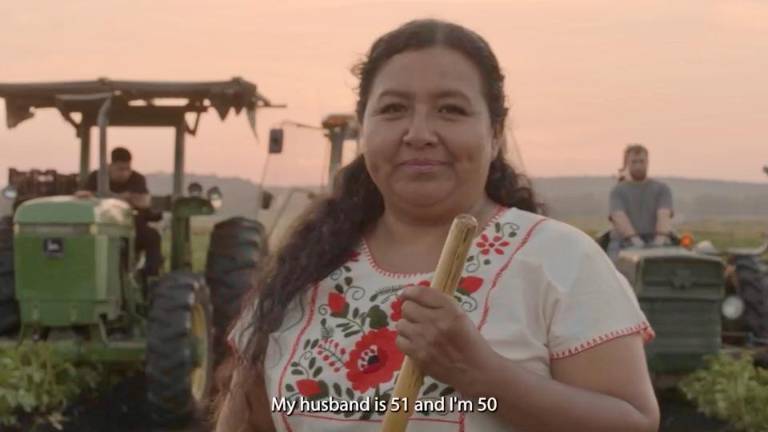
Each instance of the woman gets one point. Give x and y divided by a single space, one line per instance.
541 320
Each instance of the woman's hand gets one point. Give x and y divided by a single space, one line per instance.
442 340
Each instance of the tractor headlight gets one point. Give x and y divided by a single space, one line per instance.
733 307
215 197
10 192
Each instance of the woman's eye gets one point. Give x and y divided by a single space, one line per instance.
453 109
392 108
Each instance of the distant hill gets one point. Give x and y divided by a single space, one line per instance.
579 198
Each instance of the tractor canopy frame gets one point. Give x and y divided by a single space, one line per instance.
103 103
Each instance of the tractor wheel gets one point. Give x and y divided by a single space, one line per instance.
236 254
9 308
179 366
753 288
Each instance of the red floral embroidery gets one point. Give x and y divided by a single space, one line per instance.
337 303
374 359
308 387
495 244
470 284
397 310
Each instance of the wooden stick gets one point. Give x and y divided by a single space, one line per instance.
447 275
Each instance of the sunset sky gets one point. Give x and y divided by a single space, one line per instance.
688 78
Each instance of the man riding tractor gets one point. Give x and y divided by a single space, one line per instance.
641 208
130 186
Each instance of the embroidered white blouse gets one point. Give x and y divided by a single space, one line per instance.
536 288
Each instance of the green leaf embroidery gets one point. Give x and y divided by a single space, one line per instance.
377 317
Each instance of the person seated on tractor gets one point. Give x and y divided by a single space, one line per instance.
131 186
640 208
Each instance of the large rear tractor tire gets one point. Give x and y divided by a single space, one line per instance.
179 362
9 307
753 288
236 255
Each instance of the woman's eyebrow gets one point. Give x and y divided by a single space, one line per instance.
440 94
444 94
393 93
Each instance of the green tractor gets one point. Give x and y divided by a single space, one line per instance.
68 271
681 293
696 299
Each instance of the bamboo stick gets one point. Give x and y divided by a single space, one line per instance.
446 277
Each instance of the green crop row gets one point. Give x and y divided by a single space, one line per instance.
37 385
732 389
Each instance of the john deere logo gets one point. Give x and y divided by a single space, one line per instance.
53 247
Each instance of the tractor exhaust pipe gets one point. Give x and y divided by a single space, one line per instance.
103 122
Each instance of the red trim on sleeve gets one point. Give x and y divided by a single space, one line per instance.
644 328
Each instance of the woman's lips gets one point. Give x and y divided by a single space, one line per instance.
422 162
422 165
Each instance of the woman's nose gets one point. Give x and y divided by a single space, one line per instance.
420 130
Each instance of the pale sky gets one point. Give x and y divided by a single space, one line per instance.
688 78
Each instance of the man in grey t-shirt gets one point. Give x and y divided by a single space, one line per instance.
640 208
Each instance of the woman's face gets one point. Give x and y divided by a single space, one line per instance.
426 132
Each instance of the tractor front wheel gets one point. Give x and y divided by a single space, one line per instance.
179 366
9 308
